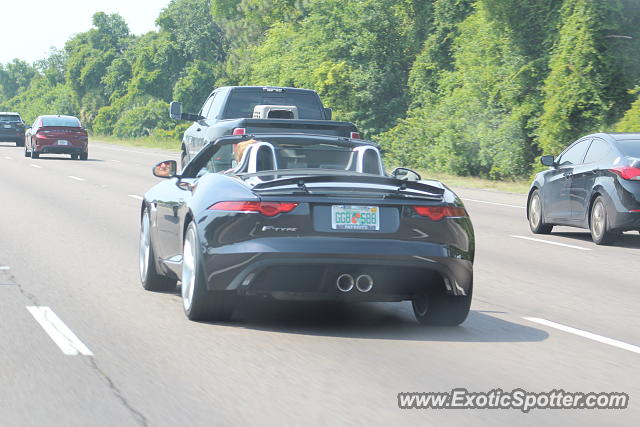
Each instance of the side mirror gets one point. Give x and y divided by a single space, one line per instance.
406 174
548 161
175 110
166 169
328 113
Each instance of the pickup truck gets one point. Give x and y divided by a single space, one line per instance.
250 110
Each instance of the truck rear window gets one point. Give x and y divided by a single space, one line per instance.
9 118
242 102
61 121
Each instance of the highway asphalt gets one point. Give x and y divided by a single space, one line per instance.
549 312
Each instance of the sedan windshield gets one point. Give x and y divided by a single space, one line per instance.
61 121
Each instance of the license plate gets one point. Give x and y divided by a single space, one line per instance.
365 218
7 126
63 142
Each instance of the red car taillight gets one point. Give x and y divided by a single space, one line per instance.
627 172
239 131
436 213
355 135
265 208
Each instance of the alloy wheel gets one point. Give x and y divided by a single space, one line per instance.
598 219
189 269
145 247
535 215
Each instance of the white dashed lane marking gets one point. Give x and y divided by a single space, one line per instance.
551 243
36 166
135 196
76 178
585 334
493 203
60 333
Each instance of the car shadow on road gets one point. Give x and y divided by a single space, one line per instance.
392 321
629 240
50 157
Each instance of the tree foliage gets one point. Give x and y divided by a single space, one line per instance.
472 87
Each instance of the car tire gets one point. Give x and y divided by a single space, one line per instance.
535 215
198 302
598 223
149 277
84 156
19 143
441 309
35 154
27 153
75 156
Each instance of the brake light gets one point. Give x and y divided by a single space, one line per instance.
627 172
355 135
436 213
239 131
265 208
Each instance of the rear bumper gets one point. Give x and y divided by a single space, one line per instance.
12 136
306 268
624 221
61 149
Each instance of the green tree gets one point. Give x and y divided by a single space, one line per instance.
574 89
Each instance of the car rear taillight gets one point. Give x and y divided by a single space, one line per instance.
265 208
355 135
239 131
436 213
627 172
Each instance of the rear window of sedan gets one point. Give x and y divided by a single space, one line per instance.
61 121
9 118
629 147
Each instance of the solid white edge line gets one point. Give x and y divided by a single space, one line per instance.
36 166
64 338
492 203
75 177
533 239
135 196
585 334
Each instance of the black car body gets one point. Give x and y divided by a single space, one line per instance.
594 184
271 226
229 110
12 128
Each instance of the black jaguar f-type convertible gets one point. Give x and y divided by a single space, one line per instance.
304 217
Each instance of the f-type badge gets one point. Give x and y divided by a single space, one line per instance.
279 229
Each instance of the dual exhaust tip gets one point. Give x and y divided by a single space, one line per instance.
346 282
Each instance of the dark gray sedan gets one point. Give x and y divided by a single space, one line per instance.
594 184
12 128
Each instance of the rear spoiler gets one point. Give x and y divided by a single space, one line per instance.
302 181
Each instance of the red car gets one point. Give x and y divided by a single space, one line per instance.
57 135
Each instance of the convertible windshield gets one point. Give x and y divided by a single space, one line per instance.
286 155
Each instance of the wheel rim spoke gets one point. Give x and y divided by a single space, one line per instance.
189 268
144 250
